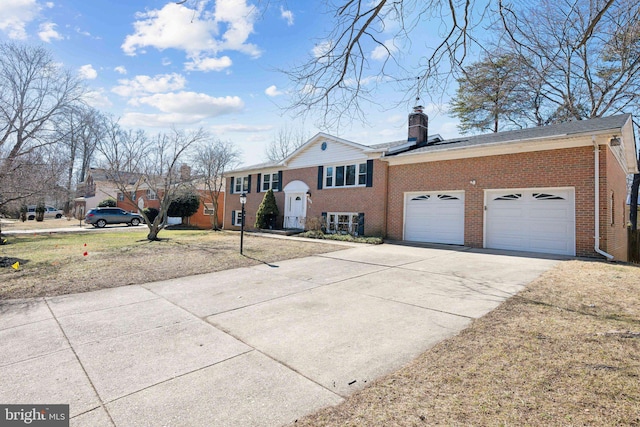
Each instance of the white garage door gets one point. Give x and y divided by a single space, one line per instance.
534 220
434 217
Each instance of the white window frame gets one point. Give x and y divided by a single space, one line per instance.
272 184
336 226
207 209
237 218
120 197
151 195
331 172
241 185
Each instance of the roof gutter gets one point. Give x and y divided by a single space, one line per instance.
596 156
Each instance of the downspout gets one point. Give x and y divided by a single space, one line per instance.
596 156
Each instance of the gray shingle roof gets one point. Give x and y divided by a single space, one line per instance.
561 129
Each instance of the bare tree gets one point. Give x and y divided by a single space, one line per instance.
79 129
586 54
34 90
285 142
360 51
211 160
133 162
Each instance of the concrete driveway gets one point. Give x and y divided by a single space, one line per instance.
252 346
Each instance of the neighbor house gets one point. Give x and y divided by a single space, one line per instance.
146 197
557 189
95 188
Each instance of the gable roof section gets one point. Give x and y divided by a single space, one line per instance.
302 156
529 139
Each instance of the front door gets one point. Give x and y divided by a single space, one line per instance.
295 210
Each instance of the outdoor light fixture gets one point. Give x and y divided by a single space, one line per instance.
243 201
472 182
615 141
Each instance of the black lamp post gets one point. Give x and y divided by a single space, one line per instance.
243 201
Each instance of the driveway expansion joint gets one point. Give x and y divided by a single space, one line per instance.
95 390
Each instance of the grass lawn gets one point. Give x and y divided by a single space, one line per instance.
61 263
564 352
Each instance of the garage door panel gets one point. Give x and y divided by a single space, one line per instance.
536 220
435 217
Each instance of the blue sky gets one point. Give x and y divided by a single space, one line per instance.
204 63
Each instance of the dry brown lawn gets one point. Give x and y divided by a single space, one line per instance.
564 352
62 263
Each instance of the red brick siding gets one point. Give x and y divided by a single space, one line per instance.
199 219
370 200
556 168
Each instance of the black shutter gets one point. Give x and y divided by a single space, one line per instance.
233 217
320 176
323 226
361 224
369 173
258 186
231 190
249 184
279 180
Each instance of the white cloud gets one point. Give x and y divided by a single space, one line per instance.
193 103
287 15
196 32
220 129
144 85
322 48
120 69
181 108
166 61
87 72
48 32
380 53
158 120
15 15
272 91
208 64
97 98
50 4
239 18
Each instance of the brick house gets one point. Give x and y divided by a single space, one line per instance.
146 198
535 189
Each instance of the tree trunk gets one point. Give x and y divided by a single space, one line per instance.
153 233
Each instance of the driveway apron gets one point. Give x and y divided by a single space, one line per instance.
258 346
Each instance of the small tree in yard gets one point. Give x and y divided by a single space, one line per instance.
133 161
267 211
184 205
40 212
211 160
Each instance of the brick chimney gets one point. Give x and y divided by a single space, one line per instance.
185 172
418 126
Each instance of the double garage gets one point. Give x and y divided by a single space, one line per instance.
530 219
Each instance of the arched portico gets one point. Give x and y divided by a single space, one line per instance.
295 204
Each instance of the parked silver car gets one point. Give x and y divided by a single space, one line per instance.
99 217
49 212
